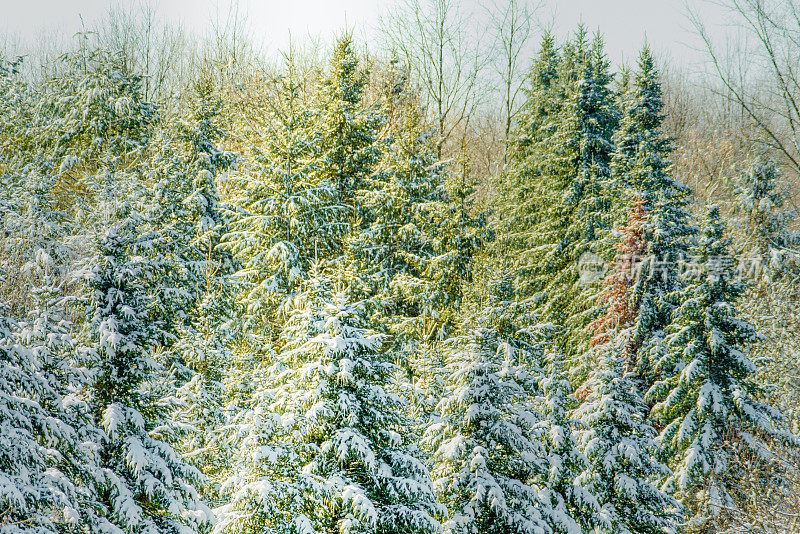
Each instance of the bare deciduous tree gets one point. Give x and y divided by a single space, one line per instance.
760 76
513 24
433 37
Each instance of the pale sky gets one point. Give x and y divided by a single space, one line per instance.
625 23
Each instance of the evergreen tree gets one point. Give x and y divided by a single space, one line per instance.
535 120
621 311
400 252
623 470
286 214
348 134
49 454
567 210
206 335
144 486
708 403
39 493
762 197
519 184
340 430
561 489
504 459
641 169
762 229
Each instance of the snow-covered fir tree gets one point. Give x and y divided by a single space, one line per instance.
709 402
624 471
41 474
347 131
765 218
143 484
399 252
642 169
503 454
767 247
329 450
571 502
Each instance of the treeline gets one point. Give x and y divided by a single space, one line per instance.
299 299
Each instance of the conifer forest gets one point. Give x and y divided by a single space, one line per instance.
423 284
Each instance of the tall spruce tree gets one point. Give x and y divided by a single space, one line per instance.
287 215
143 484
347 132
207 334
46 461
641 169
562 175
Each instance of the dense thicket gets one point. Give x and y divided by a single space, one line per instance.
274 302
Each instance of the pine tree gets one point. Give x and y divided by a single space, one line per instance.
399 251
708 403
562 491
519 184
762 198
49 456
766 245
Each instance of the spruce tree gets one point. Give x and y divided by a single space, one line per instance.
708 405
399 252
40 480
563 175
347 130
641 169
287 215
50 441
208 330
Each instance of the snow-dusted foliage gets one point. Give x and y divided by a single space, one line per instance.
193 164
327 449
624 472
503 454
36 496
143 485
708 402
765 218
348 128
400 251
274 302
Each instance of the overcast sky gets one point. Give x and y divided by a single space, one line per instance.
625 23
